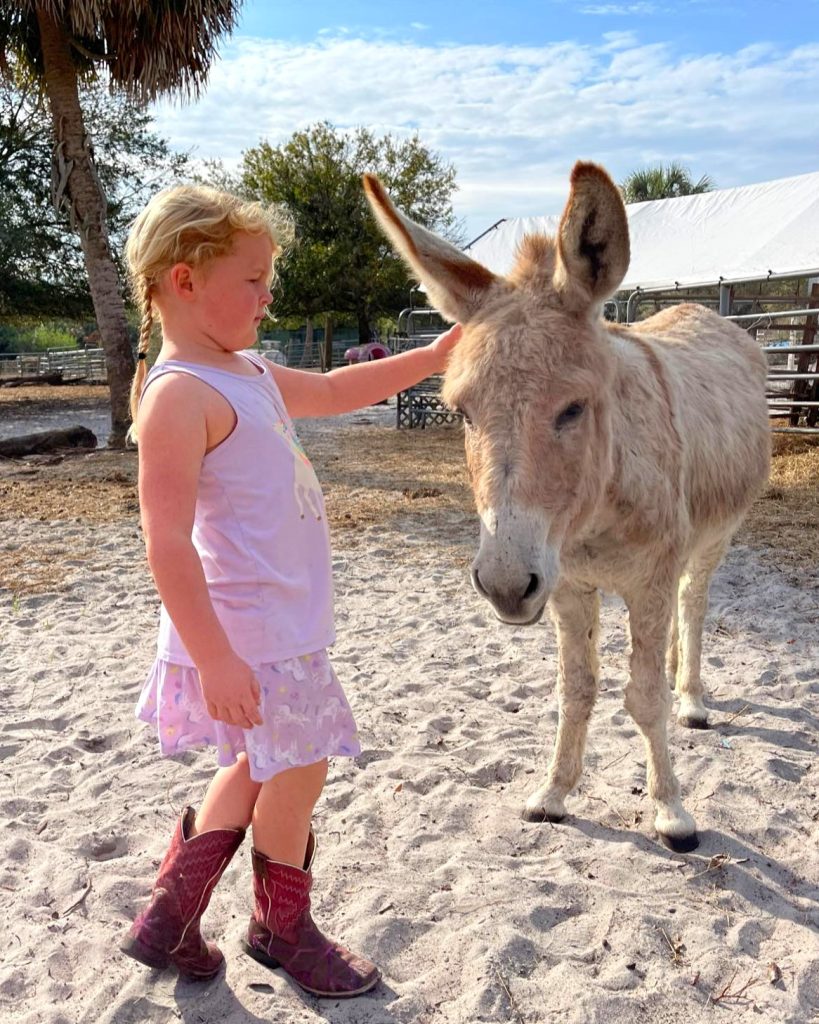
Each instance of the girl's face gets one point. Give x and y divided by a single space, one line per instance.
233 292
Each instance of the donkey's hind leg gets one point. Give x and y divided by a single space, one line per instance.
692 603
576 616
672 654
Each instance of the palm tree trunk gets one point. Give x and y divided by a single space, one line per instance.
79 187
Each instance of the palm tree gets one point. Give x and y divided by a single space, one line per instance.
662 182
148 48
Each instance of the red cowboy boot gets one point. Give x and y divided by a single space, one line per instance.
167 931
283 934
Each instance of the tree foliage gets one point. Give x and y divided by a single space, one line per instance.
662 182
41 262
340 261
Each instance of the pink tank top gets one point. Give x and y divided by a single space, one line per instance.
260 527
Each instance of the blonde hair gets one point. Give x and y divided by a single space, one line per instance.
190 224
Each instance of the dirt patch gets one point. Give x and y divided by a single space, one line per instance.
30 409
47 396
38 568
95 487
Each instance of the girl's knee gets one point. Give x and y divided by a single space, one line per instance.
304 782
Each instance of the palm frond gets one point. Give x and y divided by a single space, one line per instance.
662 182
149 47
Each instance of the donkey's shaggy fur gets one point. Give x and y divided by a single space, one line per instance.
601 456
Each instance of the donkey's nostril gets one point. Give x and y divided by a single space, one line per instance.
534 586
478 585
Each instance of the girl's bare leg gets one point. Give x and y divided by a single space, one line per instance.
284 807
229 800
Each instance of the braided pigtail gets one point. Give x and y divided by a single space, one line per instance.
145 328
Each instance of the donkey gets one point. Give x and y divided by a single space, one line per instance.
601 456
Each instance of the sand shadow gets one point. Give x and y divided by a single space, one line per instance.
372 1007
735 705
216 1000
776 895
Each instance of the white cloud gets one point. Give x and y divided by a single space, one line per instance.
619 40
618 10
513 119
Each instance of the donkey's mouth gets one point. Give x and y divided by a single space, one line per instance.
508 620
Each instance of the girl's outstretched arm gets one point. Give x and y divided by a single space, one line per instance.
354 387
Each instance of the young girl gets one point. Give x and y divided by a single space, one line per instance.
237 542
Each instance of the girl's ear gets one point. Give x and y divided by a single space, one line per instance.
181 280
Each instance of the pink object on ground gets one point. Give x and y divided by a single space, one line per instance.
366 353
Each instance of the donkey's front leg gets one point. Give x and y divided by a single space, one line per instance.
648 699
576 614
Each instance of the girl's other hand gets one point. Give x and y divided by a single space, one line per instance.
445 343
231 691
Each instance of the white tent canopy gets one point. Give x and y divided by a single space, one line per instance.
729 235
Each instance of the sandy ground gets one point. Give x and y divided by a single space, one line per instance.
424 862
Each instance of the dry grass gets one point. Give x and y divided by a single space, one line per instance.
38 568
51 395
784 522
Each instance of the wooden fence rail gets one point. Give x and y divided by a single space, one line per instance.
81 364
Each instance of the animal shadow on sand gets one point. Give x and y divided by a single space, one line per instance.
723 859
777 738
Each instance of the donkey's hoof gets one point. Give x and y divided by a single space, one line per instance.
539 815
680 844
693 723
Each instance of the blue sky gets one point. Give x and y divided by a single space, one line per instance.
513 92
693 24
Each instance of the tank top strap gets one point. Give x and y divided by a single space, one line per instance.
223 381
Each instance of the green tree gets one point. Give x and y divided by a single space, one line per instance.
41 265
340 260
662 182
147 48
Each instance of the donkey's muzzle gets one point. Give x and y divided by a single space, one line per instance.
518 602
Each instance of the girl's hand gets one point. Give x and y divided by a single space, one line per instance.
231 691
445 343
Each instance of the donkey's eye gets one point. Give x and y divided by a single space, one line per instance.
464 415
571 414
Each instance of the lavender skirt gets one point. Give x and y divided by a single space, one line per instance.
306 716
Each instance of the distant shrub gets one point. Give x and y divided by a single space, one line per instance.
45 336
28 335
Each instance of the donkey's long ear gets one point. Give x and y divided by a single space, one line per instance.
592 242
456 284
